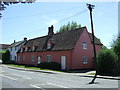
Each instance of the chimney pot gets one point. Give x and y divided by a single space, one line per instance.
25 39
50 30
14 41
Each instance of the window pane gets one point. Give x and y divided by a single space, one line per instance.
84 60
18 58
49 58
48 46
33 48
84 45
33 58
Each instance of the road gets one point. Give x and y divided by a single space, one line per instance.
12 78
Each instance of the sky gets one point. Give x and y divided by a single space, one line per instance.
33 20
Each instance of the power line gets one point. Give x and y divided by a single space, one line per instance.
31 32
72 16
50 12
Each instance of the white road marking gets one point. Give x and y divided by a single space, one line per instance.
57 85
34 86
21 76
8 77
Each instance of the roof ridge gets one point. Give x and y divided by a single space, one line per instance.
58 33
73 29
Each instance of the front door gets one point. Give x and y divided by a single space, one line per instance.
63 62
39 59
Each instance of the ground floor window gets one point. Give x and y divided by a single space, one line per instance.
39 59
49 58
10 57
23 57
18 58
33 58
85 60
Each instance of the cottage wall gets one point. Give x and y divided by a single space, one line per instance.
74 56
13 52
56 56
78 53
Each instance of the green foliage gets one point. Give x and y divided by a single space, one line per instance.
104 47
49 65
114 41
116 47
106 62
6 56
69 26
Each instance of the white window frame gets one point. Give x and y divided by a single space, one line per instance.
85 61
49 58
33 58
84 45
48 46
18 58
39 59
26 49
21 50
33 48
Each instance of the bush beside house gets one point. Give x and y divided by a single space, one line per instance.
116 48
49 65
5 56
106 62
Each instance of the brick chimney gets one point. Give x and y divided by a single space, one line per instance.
14 41
50 31
25 39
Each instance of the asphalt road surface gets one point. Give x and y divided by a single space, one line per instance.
12 78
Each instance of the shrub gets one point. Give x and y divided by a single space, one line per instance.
116 49
6 56
49 65
106 62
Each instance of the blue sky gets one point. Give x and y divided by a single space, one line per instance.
33 20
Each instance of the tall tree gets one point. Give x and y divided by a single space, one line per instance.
69 26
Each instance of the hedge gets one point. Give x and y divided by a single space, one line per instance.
106 62
49 65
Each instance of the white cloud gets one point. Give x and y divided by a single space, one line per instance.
50 21
53 21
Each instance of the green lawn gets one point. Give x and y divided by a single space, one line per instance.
91 74
34 68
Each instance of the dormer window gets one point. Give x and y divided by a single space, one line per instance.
21 50
26 49
33 48
48 46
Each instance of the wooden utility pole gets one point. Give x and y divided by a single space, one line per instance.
91 7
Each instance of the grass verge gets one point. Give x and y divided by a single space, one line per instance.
33 68
91 74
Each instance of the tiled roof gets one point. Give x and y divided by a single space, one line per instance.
62 41
16 44
97 41
4 46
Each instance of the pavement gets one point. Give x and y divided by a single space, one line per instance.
86 74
